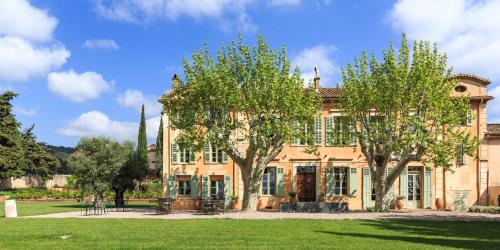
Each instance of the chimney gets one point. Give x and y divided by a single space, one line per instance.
175 81
316 77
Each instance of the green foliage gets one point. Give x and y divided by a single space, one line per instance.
97 162
11 149
39 193
142 149
485 209
403 109
38 162
62 153
159 150
373 210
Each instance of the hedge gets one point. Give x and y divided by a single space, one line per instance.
485 209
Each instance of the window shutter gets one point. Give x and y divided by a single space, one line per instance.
204 187
329 130
427 187
461 157
352 135
175 154
192 155
329 181
194 187
224 157
206 153
367 188
318 129
171 187
469 116
403 186
390 194
353 182
227 191
280 182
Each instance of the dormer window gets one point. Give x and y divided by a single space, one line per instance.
460 89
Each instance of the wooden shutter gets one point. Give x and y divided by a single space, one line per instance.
204 187
403 186
206 153
280 182
227 191
329 130
427 187
352 134
329 181
224 157
318 130
192 155
353 182
175 154
469 116
367 188
172 187
194 187
390 193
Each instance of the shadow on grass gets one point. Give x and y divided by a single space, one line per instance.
456 234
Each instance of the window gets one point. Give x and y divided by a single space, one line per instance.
301 139
310 134
214 154
340 180
460 89
182 155
217 188
340 132
269 181
461 156
184 186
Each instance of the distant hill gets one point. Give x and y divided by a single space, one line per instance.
62 153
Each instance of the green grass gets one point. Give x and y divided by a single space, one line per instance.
26 208
236 234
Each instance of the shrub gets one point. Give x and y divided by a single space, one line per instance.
373 210
485 209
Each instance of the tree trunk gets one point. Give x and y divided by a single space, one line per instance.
381 201
119 201
252 178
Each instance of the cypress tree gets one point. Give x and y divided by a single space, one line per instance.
11 150
142 146
38 161
159 150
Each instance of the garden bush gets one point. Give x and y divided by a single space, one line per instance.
485 209
38 193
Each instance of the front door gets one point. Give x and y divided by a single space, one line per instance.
306 183
414 187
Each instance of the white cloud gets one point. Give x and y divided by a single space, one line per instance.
96 123
20 59
19 18
135 99
468 31
27 48
25 112
77 87
320 55
284 3
101 44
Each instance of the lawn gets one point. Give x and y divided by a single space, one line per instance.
26 208
233 234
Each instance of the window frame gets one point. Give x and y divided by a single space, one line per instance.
268 182
343 181
184 185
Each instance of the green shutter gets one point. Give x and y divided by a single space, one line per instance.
192 155
318 130
367 188
469 116
206 153
204 187
227 191
403 186
329 130
172 187
352 135
353 182
224 157
280 182
390 194
427 187
175 154
329 181
194 187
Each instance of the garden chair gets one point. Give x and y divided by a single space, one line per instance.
164 205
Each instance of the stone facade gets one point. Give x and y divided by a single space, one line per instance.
313 176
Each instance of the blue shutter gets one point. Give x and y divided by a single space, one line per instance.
280 182
172 187
224 157
194 187
353 182
329 181
367 188
318 130
403 186
470 117
352 135
390 194
329 131
192 155
206 153
227 191
175 154
427 187
204 187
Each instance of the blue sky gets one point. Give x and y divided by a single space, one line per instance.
84 67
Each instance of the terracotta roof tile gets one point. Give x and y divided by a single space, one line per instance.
329 93
472 77
494 129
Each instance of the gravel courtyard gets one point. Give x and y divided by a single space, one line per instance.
404 214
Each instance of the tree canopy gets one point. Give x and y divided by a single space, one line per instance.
246 101
159 150
11 149
142 147
38 162
404 111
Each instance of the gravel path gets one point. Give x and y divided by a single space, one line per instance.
404 214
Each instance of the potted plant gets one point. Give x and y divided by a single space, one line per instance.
293 197
399 201
234 201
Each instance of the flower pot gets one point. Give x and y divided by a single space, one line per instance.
234 204
293 200
439 203
399 204
196 204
